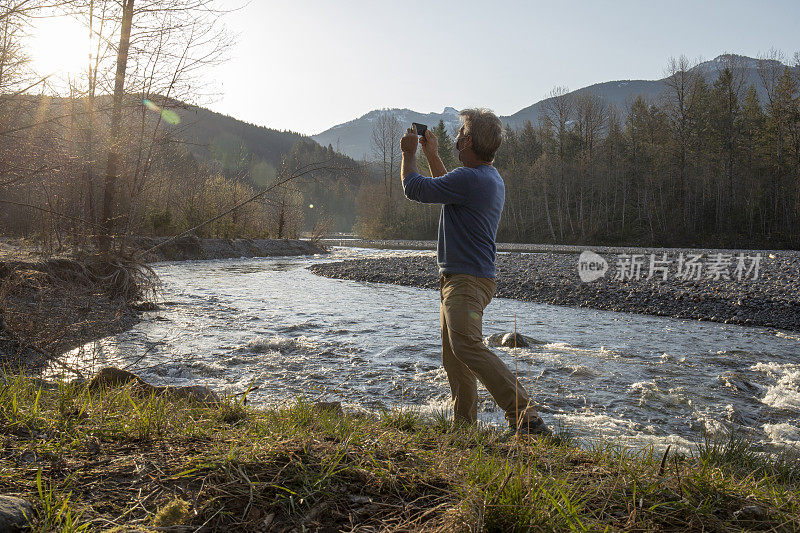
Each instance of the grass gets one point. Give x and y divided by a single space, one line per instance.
115 460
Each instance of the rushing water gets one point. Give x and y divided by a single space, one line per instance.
630 378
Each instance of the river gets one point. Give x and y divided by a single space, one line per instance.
625 378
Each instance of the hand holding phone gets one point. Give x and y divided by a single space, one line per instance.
429 144
419 128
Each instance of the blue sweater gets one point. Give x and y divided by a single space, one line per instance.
473 201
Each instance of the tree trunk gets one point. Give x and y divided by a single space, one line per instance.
112 166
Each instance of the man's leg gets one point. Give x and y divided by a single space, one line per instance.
463 384
464 298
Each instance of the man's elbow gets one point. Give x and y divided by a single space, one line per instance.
409 190
413 198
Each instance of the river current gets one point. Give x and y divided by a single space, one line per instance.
625 378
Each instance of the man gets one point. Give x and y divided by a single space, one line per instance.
472 198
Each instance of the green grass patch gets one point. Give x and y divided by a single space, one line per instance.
95 460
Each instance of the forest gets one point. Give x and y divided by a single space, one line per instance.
118 151
121 151
705 164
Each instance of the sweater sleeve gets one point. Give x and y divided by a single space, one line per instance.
452 188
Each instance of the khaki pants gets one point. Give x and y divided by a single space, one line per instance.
466 358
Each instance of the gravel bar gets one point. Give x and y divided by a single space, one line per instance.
408 244
770 299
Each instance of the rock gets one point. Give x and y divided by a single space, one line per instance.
144 306
115 377
28 458
195 393
507 340
13 512
511 340
92 445
750 512
329 407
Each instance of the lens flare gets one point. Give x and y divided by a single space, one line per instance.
171 117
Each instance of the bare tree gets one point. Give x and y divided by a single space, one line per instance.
386 134
558 110
112 166
680 101
590 121
162 48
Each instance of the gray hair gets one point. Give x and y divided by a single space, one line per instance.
485 129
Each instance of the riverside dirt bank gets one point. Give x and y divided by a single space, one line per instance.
772 300
191 247
51 303
185 248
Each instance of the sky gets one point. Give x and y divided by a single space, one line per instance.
307 65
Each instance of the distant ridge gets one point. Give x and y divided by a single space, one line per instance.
353 138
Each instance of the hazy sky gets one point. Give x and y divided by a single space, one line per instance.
306 65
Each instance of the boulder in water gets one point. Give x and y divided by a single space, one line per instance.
511 340
507 340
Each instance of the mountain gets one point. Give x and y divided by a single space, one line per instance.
353 138
234 146
209 134
621 92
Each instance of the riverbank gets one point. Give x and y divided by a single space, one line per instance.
110 457
53 306
185 248
771 300
191 248
55 301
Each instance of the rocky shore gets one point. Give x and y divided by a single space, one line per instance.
772 299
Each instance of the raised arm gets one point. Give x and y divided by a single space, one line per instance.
408 165
452 188
430 147
447 188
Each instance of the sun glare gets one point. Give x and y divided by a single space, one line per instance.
59 47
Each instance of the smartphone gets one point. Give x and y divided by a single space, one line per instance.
419 128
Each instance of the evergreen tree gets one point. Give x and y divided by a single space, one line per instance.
446 147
